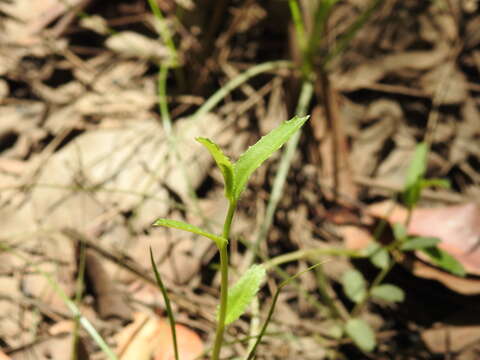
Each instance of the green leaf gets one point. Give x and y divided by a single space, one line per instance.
168 308
256 154
418 242
223 163
378 255
272 308
242 293
444 260
388 292
443 183
354 285
220 241
415 175
418 166
335 330
399 231
361 334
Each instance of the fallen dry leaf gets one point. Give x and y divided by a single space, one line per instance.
458 228
110 301
455 333
131 44
149 336
4 356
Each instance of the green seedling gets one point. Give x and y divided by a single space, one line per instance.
354 284
414 185
234 300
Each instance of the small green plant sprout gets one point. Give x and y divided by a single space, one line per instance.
414 185
235 300
356 288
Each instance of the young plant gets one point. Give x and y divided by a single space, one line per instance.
234 301
354 284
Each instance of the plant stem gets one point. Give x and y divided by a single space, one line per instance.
237 81
223 282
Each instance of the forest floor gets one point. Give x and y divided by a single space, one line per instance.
89 159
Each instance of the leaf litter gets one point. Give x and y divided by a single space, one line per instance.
82 146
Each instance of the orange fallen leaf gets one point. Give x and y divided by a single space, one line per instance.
3 356
457 227
150 337
190 345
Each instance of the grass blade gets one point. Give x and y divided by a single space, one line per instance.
168 308
272 308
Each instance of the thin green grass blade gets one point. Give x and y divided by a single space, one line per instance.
350 33
89 328
296 13
272 308
220 241
223 163
242 293
168 308
319 24
262 150
220 94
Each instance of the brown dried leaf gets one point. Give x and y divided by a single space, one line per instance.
368 73
110 302
454 84
455 333
131 44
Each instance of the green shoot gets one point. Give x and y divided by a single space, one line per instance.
171 318
272 308
223 163
236 177
415 183
415 174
